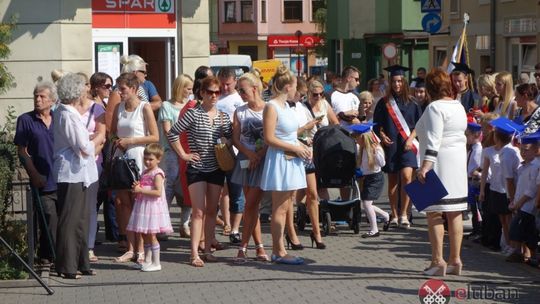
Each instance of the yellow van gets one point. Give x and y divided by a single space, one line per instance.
267 67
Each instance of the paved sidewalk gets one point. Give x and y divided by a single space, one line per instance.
351 270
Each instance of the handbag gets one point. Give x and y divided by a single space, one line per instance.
123 172
224 155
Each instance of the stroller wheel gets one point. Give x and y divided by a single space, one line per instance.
326 223
356 218
301 216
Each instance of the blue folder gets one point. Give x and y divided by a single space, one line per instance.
427 194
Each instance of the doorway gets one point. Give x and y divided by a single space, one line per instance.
159 54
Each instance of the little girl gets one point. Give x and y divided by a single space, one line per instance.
150 213
370 160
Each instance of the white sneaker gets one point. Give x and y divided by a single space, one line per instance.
151 267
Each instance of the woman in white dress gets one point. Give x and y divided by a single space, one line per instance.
134 126
441 133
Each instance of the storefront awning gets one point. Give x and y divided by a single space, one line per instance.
308 41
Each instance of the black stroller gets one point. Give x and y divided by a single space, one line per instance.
334 156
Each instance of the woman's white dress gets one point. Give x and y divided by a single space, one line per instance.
441 134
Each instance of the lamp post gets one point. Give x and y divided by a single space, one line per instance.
298 34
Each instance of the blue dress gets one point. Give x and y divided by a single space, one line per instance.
280 173
396 156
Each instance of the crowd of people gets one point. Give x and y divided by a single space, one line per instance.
480 136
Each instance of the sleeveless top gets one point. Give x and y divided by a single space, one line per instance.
287 124
251 126
131 124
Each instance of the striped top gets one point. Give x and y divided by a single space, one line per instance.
202 135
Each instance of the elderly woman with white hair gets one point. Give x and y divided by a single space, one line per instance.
147 90
74 170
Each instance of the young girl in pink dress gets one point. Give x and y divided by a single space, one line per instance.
150 213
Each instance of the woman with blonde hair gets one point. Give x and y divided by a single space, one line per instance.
489 99
283 171
147 90
168 114
248 139
505 89
366 105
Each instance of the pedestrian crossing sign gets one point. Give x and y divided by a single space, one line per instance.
430 6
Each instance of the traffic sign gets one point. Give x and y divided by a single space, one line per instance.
431 23
430 6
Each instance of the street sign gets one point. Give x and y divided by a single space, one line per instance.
389 51
430 6
431 23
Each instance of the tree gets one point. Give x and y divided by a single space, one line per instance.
320 21
6 79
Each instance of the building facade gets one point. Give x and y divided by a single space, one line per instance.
89 36
265 29
357 32
512 23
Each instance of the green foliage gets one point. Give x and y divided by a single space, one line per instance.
320 21
6 79
14 234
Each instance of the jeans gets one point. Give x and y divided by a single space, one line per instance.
236 195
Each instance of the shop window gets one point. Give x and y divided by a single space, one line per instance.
315 6
230 11
292 10
246 11
263 11
250 50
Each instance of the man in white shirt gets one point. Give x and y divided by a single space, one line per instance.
344 101
228 102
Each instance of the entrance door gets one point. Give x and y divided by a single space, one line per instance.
158 53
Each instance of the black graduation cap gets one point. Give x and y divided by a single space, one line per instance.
396 70
419 83
461 67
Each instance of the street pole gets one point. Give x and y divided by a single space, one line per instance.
298 34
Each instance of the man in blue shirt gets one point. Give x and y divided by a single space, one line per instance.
34 140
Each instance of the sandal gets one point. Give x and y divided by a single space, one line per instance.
404 223
261 257
89 272
242 257
210 258
139 258
126 257
70 276
226 230
217 246
196 262
92 257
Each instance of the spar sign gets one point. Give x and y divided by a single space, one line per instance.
133 6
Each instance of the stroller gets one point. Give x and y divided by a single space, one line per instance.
334 156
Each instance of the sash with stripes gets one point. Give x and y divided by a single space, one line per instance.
399 122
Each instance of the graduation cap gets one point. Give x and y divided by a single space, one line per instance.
506 126
474 127
461 67
396 70
533 138
419 83
361 128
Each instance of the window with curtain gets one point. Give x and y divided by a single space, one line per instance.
246 11
292 10
230 11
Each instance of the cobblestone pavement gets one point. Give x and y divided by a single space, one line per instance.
351 270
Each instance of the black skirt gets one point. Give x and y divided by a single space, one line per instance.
372 186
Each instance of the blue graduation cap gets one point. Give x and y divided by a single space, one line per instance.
474 127
530 138
396 70
461 67
506 126
361 128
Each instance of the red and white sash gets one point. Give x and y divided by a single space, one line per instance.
400 123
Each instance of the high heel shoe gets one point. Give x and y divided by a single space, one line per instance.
454 269
291 245
320 245
435 270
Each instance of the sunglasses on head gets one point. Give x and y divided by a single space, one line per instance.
210 92
317 94
144 72
107 86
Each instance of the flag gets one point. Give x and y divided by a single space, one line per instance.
461 50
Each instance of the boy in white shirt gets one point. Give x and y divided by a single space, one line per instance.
474 164
523 228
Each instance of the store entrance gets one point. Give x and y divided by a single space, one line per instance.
159 54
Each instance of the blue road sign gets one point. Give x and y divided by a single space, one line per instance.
430 6
431 23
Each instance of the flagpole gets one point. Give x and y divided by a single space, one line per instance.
463 36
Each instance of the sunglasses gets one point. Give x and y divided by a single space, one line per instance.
107 86
241 91
317 94
144 72
536 75
357 79
210 92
